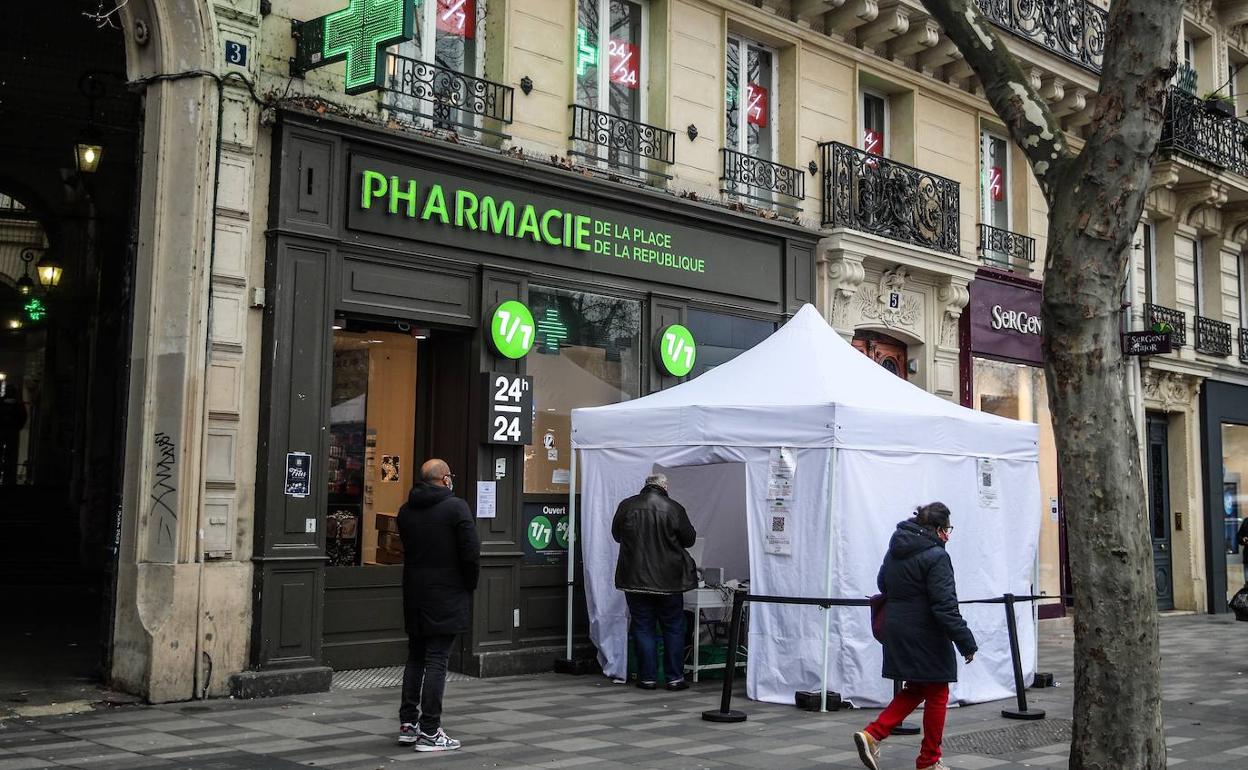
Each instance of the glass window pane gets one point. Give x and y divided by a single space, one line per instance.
732 100
587 53
624 53
873 128
455 23
1018 392
587 353
1234 501
996 181
721 337
759 93
372 422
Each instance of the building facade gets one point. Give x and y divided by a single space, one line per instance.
330 245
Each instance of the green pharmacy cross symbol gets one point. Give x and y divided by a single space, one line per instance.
359 35
35 309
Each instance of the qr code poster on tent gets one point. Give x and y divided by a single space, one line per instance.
779 536
987 481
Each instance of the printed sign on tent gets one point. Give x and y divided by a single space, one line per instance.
781 468
986 470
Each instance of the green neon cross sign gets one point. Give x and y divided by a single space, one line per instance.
586 54
359 35
35 309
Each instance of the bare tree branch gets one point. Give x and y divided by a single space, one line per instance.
1031 123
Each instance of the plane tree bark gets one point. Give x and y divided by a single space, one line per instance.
1095 198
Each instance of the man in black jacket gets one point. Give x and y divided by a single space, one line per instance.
654 571
441 562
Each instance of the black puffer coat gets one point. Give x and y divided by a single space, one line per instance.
441 561
653 531
921 618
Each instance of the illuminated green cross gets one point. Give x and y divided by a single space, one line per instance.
359 35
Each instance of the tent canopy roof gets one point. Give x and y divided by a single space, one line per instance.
803 386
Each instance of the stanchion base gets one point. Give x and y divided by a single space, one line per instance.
576 666
715 715
1029 715
905 728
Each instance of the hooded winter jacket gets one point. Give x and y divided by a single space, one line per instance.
653 531
441 561
921 619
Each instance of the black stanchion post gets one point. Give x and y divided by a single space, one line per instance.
905 728
1022 712
725 712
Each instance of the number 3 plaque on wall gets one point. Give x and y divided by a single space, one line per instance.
509 413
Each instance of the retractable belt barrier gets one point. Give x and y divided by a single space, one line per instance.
739 598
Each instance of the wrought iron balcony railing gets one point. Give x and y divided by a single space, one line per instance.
1005 249
876 195
448 98
1213 337
1200 131
768 183
1160 319
1243 346
624 145
1072 29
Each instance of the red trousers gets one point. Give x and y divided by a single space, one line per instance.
935 699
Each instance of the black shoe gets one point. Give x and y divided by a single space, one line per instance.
647 685
678 685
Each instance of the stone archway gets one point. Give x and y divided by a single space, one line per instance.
169 45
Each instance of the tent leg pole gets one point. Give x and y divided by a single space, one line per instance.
827 585
571 548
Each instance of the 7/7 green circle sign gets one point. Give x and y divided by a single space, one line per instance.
512 331
676 350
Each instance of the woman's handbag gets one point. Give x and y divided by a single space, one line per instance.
877 603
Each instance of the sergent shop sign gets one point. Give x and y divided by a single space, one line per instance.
512 222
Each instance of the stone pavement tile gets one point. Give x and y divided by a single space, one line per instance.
199 752
299 728
279 746
23 763
972 762
123 761
577 744
799 748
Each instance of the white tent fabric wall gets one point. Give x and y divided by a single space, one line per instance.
807 389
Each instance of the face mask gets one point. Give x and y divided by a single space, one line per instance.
943 535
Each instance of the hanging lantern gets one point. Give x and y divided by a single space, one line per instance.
25 285
49 271
87 153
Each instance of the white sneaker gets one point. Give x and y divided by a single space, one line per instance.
439 741
408 734
868 750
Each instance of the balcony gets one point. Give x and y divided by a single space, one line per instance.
1243 346
1213 337
876 195
1072 29
1196 129
1004 249
767 183
625 146
449 99
1161 319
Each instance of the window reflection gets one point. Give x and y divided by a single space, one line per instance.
587 353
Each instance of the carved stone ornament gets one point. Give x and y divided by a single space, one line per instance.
1173 391
891 306
1202 11
953 296
840 279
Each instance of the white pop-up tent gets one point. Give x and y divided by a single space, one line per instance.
868 447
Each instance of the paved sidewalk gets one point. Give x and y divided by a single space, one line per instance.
554 721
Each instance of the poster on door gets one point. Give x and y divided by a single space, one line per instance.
545 539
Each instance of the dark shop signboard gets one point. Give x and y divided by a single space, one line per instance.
434 206
545 537
1005 321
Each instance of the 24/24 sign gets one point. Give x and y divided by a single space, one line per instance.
509 411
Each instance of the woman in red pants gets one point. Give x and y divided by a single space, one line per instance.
921 627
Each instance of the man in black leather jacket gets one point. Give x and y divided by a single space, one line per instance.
654 571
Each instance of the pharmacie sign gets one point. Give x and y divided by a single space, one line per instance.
1005 321
513 221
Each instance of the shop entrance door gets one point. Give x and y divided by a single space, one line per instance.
1159 507
884 350
389 385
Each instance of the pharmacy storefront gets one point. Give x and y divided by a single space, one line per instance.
431 299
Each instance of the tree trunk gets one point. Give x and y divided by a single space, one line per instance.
1095 201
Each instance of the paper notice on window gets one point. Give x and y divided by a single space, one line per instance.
988 481
487 499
